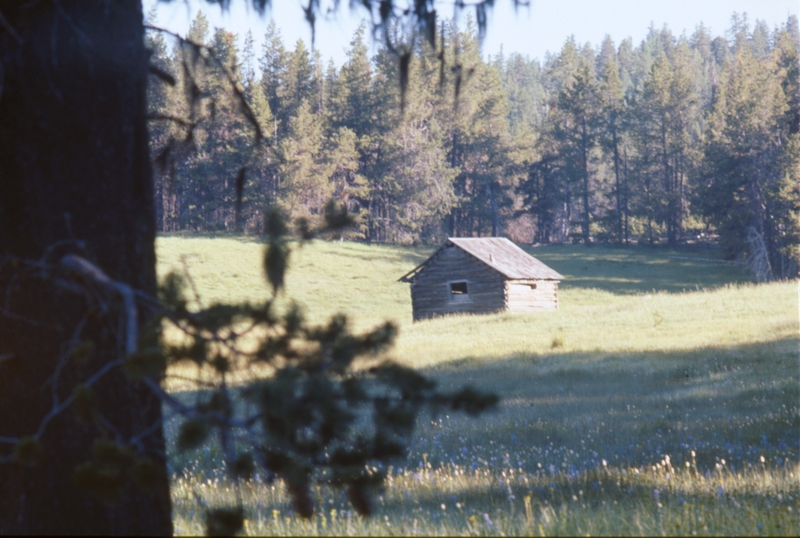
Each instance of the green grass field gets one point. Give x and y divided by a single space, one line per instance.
661 398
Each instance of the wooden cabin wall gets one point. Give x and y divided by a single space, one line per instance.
430 291
521 297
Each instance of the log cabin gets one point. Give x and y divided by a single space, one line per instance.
481 275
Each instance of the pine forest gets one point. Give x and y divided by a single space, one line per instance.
690 138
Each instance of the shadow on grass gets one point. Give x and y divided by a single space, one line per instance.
723 402
574 410
637 269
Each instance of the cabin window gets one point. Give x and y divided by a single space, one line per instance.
532 286
459 291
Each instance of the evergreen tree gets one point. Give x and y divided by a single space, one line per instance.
222 142
261 187
706 77
576 132
739 31
668 108
160 103
759 40
297 83
305 186
626 58
750 163
604 139
606 53
351 188
273 65
793 29
248 72
721 51
352 101
526 97
787 51
611 103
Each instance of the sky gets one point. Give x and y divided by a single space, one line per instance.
532 31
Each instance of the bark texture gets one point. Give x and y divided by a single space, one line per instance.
74 177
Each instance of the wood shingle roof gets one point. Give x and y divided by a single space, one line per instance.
501 255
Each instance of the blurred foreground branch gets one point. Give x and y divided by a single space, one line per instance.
324 406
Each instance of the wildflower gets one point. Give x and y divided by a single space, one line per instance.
488 521
444 507
720 491
605 463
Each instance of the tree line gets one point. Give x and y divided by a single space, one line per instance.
677 138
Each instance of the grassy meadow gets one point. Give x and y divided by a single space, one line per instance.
661 398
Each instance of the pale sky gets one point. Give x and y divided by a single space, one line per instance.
533 31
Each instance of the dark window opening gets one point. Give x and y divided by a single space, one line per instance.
533 286
458 290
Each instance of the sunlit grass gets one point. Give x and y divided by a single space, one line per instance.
647 357
668 498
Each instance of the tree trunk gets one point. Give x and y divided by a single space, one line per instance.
668 185
585 225
627 190
618 182
75 175
497 224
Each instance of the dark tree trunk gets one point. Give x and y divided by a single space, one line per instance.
618 182
626 176
585 224
73 167
497 224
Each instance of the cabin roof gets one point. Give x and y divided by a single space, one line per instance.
498 253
